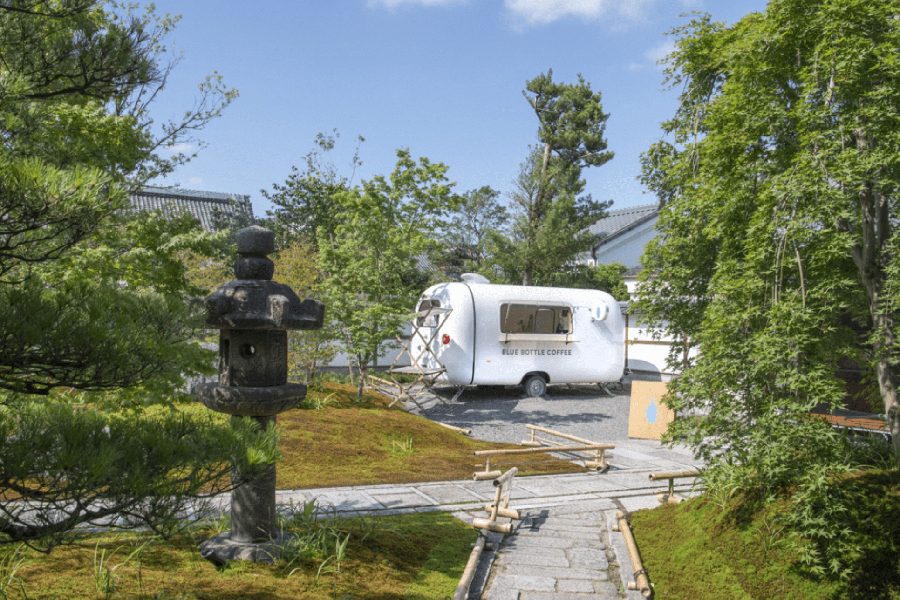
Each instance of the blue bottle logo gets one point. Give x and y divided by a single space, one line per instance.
651 412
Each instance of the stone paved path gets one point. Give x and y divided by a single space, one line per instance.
563 547
555 553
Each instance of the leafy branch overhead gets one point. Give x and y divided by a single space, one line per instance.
92 299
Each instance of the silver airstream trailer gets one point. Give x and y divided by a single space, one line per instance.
479 333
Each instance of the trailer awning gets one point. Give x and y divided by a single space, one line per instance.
537 337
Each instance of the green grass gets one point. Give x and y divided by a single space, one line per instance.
742 549
419 556
350 442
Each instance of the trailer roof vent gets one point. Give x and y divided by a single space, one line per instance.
474 278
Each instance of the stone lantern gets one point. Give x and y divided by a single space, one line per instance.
254 313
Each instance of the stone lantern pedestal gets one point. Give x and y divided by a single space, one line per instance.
254 313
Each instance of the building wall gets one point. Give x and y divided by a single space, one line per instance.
629 247
646 356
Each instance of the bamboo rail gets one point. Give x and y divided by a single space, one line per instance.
600 464
462 590
455 428
641 581
490 524
672 497
600 456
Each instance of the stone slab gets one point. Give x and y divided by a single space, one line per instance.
565 596
527 540
498 593
409 499
524 582
555 525
347 501
578 586
518 493
484 489
588 558
597 485
540 571
586 505
541 557
634 454
543 489
450 494
639 502
637 481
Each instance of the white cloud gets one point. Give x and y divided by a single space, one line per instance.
194 183
396 3
182 147
543 12
546 11
660 52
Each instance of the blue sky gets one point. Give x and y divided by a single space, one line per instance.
443 78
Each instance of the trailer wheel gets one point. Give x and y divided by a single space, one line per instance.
535 386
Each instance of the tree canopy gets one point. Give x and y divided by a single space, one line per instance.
386 226
466 232
304 203
777 253
550 227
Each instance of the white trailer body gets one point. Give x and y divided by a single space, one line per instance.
506 335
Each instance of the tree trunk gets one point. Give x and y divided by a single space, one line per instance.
870 259
534 217
362 382
887 377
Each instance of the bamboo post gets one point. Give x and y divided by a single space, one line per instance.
495 509
641 581
671 497
487 473
480 523
531 441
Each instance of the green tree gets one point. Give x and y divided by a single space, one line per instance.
466 233
778 253
607 278
297 265
551 228
305 202
92 301
385 226
544 237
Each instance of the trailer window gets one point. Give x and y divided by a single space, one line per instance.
431 320
533 318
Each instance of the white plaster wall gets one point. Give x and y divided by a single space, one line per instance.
648 361
628 248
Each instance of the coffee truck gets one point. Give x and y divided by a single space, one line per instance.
478 333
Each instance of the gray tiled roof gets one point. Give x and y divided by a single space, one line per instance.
619 221
202 205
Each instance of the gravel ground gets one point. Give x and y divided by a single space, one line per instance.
500 414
